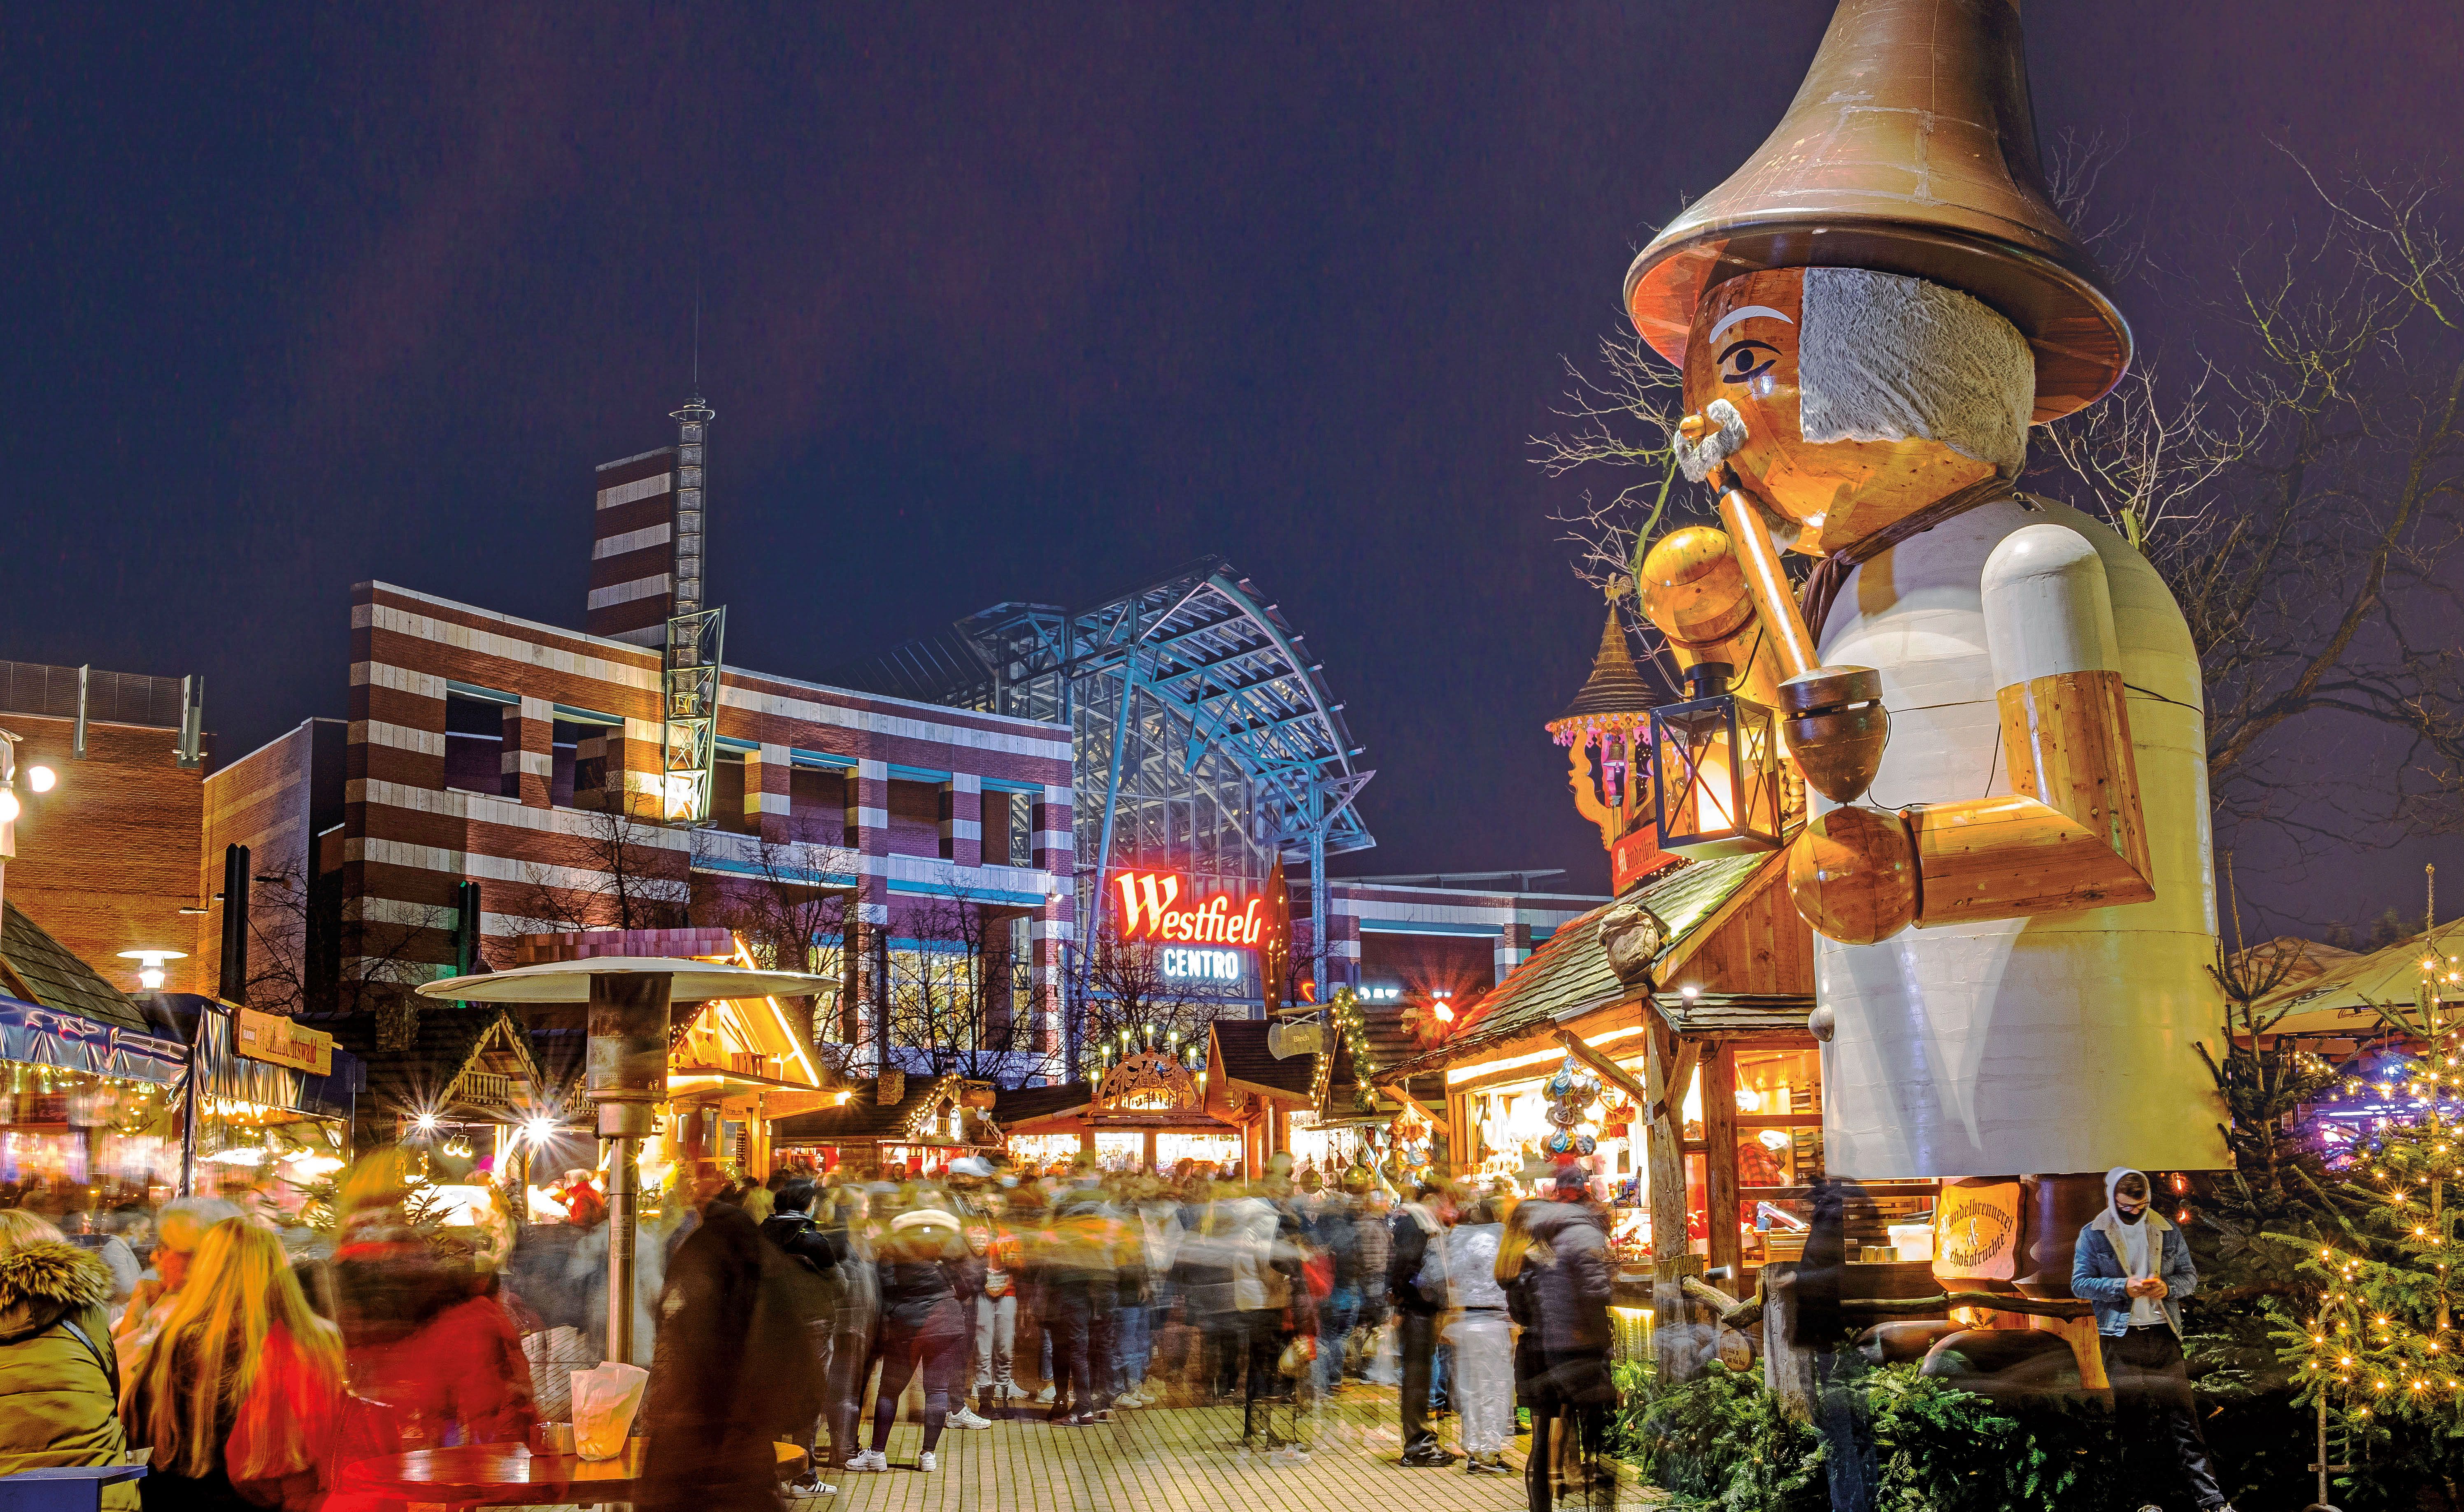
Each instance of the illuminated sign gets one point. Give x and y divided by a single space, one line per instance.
1182 963
1148 913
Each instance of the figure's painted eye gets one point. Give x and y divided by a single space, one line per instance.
1747 361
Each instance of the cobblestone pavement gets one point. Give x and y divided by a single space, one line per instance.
1172 1459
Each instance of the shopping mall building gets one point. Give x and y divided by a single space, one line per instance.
946 823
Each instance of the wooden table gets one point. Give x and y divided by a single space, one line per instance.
507 1474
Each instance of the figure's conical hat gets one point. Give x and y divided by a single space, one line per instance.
1910 148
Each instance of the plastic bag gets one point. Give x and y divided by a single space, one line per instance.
1385 1366
604 1400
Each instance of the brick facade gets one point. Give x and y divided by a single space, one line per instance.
108 858
883 797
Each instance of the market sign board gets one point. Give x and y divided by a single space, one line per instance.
276 1041
1976 1231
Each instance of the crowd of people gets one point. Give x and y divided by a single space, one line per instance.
255 1360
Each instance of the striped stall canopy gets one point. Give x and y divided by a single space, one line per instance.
34 1035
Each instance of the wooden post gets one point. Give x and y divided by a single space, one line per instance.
1788 1371
1720 1157
1674 1343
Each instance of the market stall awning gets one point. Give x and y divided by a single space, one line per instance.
2344 999
35 1034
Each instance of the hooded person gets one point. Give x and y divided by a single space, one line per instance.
2135 1268
733 1371
60 1377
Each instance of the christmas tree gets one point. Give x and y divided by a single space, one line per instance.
2373 1341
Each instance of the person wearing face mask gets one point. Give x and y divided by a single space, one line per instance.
2135 1268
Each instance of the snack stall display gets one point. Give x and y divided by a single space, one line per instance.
1717 972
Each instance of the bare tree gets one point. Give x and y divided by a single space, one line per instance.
950 1002
306 959
787 899
1622 412
613 871
2304 507
1118 988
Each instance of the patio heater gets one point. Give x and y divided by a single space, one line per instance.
627 1071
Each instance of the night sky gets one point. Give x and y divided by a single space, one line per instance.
998 302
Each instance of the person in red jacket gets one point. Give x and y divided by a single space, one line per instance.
423 1327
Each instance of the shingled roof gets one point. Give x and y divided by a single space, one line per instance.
1570 976
1242 1043
864 1118
58 980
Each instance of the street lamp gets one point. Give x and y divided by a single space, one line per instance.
150 965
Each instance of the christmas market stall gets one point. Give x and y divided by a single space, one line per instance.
89 1086
1270 1099
1150 1110
457 1084
1368 1083
894 1126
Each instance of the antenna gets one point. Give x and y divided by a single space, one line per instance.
697 345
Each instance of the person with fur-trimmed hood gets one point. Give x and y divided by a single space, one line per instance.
2135 1268
59 1383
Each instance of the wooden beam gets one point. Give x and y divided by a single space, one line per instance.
1720 1160
1676 1345
1610 1071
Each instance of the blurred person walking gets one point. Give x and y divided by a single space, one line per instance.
1333 1227
733 1371
178 1230
856 1325
816 1256
1482 1335
1553 1261
240 1396
424 1331
59 1376
996 1245
1373 1229
1416 1284
926 1291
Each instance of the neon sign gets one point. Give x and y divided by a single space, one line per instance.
1182 963
1147 912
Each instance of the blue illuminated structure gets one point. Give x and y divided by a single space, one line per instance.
1205 739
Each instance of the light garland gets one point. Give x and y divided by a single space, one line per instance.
2382 1338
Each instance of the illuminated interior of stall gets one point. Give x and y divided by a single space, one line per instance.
1329 1151
1043 1152
101 1139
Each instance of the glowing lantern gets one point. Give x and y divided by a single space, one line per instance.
1717 787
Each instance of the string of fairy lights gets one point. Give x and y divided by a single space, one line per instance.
2383 1336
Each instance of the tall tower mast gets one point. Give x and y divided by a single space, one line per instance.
693 431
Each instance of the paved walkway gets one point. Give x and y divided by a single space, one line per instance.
1171 1460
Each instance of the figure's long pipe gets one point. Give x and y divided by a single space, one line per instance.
1767 581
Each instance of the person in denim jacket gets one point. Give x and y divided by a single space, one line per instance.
2135 1268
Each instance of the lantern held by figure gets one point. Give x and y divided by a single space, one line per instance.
1716 788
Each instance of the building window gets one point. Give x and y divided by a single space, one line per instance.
914 818
474 744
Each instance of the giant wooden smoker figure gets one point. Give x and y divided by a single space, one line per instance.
1995 697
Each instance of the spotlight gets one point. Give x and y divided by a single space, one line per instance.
42 779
